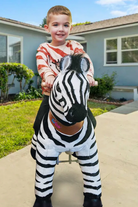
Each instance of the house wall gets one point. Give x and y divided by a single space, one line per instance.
30 42
126 75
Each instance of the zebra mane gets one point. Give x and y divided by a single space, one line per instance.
75 62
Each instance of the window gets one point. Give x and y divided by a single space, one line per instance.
111 48
3 48
121 50
84 44
129 46
10 49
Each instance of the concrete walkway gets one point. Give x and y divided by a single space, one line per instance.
117 139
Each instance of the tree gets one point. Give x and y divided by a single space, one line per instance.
83 23
43 22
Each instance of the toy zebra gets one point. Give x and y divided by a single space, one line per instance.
68 127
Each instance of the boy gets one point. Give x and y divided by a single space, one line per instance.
48 57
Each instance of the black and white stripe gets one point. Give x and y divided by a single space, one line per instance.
68 104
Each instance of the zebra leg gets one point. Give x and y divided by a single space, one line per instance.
88 160
45 166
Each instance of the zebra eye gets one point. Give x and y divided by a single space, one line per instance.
58 88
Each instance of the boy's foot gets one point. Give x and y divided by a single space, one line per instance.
42 203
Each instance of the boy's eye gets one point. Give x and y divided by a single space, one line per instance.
66 25
55 25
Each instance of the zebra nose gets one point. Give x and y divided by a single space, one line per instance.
76 113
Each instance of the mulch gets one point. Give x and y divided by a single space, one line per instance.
96 100
112 102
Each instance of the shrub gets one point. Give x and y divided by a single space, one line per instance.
31 93
19 71
105 85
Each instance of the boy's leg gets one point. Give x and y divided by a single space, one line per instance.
44 109
91 116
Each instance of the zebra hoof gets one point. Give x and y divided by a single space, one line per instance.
92 203
42 203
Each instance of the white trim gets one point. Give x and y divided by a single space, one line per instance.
7 48
106 29
119 56
104 52
110 38
24 27
83 42
21 50
123 64
119 51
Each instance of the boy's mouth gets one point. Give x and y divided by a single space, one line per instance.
60 35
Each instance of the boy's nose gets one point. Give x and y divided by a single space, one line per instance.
60 27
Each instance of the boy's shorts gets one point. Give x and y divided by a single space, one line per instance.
43 110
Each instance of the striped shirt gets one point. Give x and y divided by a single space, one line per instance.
48 58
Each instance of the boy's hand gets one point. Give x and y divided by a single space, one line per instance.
91 81
48 82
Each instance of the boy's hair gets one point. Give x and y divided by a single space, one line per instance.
58 10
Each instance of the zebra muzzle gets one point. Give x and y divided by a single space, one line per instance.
76 113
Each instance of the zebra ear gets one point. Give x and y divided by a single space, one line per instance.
84 64
65 62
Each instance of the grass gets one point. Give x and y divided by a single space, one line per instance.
100 108
16 123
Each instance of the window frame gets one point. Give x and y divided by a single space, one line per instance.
119 51
11 35
84 42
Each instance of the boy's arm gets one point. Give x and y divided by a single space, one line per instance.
78 48
90 72
44 71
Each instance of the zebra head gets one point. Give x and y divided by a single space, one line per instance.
68 99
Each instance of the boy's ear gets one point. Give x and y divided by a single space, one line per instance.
71 28
46 27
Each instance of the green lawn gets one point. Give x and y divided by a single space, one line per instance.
100 108
16 123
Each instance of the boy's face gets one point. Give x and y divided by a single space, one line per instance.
59 27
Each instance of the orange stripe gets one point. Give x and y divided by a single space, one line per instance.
70 46
42 74
41 66
39 57
60 52
44 51
77 50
